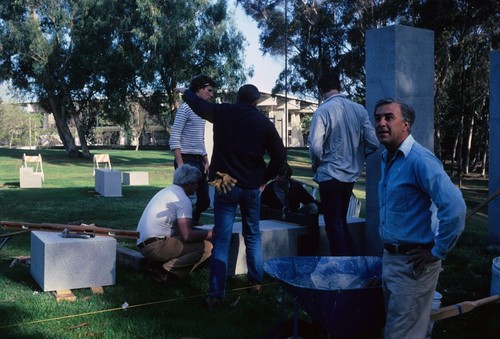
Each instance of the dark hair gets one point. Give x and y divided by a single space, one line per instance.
285 170
248 94
407 111
329 81
201 81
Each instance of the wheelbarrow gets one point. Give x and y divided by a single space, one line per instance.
342 295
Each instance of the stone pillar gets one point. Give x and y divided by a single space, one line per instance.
400 64
494 151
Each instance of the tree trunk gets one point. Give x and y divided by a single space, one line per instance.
485 157
60 117
469 145
81 135
460 150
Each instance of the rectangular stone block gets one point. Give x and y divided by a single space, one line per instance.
136 178
29 179
279 239
59 263
108 183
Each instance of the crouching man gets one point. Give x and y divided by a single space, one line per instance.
166 232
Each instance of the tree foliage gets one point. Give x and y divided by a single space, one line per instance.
321 35
72 54
17 126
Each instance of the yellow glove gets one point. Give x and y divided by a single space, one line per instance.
223 182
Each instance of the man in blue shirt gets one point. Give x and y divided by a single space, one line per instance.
340 138
412 179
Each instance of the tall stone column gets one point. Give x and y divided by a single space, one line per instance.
399 64
494 151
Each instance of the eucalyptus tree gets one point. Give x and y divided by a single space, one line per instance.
465 34
79 57
172 41
319 35
315 37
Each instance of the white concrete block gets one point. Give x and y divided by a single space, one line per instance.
136 178
29 179
279 239
59 263
108 183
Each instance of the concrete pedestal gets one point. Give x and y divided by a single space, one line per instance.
136 178
108 183
59 263
279 239
29 179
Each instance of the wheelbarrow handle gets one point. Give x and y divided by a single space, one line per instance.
463 307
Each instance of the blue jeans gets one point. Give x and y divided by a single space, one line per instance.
202 193
335 196
224 214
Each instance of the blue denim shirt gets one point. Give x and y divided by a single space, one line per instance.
410 182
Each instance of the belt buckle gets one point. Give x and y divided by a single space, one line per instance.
396 248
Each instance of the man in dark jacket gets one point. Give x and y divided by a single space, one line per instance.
285 198
242 136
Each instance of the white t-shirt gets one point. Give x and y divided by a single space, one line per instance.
159 219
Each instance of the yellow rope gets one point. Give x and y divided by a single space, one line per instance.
118 308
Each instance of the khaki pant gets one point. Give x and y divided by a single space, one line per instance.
408 296
178 257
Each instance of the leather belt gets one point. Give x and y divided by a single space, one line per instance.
192 156
404 248
149 241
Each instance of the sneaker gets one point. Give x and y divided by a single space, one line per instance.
213 304
255 289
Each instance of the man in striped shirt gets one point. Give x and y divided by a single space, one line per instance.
187 141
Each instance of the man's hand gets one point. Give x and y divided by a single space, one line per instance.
420 258
223 182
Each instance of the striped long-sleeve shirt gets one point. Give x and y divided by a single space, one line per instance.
188 132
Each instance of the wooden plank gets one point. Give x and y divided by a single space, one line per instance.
97 290
103 231
66 295
460 308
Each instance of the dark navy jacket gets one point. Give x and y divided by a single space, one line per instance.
242 136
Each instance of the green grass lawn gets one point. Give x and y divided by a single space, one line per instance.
178 311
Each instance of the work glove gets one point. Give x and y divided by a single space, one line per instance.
223 182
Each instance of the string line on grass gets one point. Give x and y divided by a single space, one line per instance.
118 308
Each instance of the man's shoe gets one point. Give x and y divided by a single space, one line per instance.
160 275
256 289
213 304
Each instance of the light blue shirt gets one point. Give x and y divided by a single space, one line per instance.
410 182
341 136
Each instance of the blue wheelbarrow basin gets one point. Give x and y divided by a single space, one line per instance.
336 292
